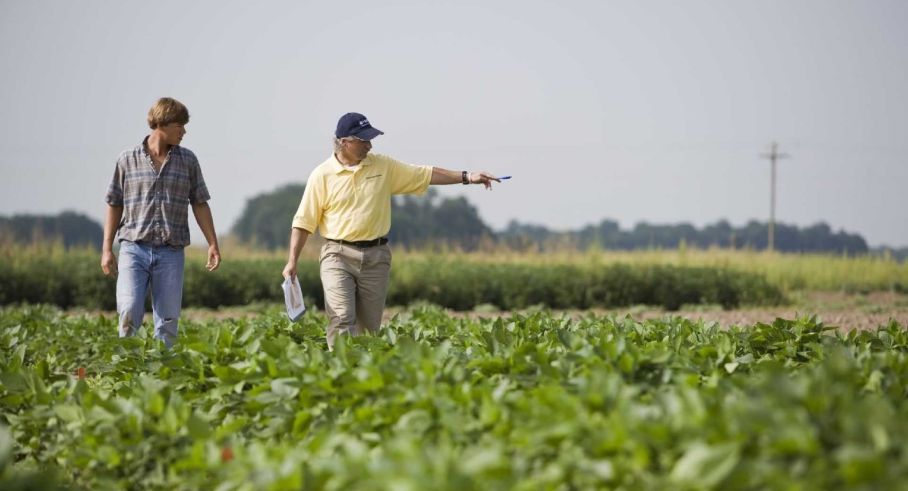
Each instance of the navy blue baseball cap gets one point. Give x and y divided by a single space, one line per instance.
355 124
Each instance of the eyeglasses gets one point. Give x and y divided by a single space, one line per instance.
351 137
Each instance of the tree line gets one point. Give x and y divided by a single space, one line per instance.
754 235
431 221
69 228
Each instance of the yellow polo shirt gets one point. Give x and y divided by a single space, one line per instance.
354 203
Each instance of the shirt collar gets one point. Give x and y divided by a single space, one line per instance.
338 167
143 147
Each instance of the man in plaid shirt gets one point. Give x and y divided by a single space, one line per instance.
148 198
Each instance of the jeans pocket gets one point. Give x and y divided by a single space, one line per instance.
128 249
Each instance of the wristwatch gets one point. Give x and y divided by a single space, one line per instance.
464 177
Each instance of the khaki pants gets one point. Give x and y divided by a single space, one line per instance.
356 284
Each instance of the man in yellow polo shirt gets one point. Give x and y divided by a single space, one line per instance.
348 200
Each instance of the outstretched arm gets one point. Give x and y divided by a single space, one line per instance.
445 176
203 217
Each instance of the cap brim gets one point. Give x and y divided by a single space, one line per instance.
368 133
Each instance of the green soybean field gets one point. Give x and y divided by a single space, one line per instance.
523 400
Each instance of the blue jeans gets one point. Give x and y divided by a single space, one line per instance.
161 267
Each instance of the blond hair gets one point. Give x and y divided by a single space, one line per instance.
166 111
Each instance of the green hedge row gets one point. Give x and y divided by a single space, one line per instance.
76 280
462 286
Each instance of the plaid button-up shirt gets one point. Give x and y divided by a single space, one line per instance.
156 204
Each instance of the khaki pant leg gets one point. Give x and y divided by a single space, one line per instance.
339 283
372 287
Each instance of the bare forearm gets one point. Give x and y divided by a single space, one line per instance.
111 224
298 238
446 176
203 217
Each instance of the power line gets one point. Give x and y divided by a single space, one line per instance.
773 156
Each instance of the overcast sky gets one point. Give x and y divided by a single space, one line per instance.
652 111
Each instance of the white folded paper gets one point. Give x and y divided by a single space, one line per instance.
293 298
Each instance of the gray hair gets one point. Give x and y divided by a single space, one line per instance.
339 141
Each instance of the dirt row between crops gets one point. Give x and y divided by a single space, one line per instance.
842 319
845 311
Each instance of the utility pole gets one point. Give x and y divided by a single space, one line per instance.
773 156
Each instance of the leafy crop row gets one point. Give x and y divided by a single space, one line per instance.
525 402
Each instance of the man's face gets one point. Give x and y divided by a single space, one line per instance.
356 148
173 133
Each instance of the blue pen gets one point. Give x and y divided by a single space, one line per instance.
504 177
